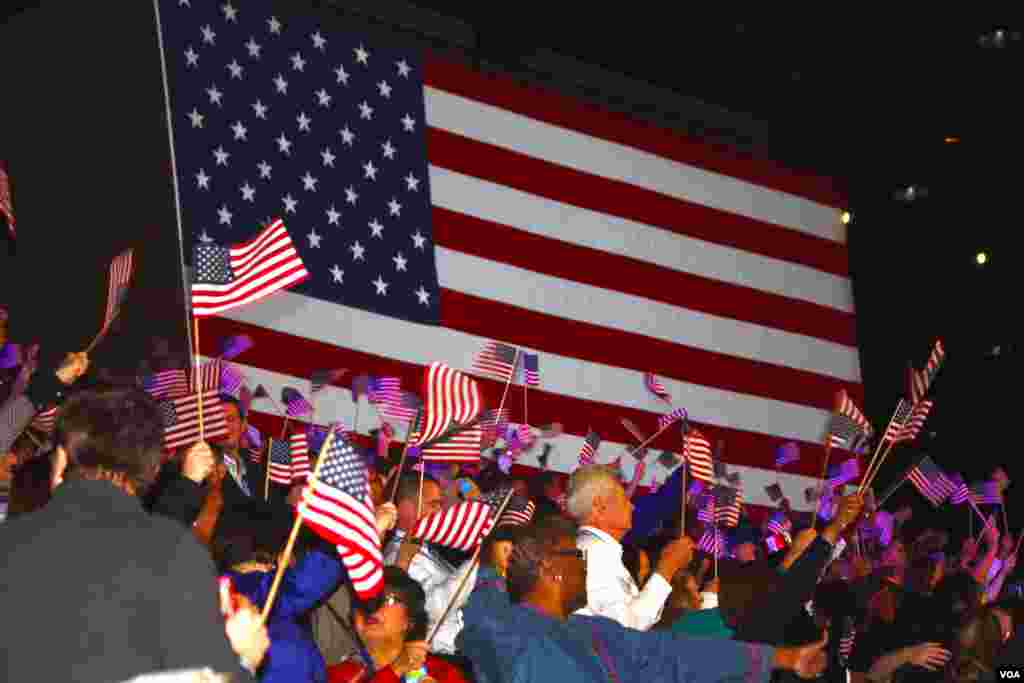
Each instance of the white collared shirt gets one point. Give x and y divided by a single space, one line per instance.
439 581
611 591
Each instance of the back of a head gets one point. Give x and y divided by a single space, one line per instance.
115 430
535 542
586 484
409 486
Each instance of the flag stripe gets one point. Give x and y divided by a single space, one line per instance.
618 312
603 176
624 349
536 196
366 340
505 92
632 275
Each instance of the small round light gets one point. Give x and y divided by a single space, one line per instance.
846 217
981 258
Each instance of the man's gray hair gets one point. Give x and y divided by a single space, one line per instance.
585 485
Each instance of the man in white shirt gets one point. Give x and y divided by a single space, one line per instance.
429 569
598 501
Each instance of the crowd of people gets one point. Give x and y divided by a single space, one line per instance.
114 552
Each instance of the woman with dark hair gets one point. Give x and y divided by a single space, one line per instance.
393 631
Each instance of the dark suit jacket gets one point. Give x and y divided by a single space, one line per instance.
95 589
176 496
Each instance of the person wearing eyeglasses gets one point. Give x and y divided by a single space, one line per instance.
540 636
393 631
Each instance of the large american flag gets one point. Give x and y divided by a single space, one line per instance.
337 505
612 248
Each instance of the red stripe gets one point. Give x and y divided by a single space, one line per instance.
296 356
537 103
597 344
618 198
576 263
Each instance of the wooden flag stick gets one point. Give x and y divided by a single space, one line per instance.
881 442
651 438
419 498
682 518
878 465
1002 506
469 570
290 546
102 333
821 486
266 466
526 388
405 451
199 387
508 382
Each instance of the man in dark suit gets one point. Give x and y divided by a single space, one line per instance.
93 587
209 483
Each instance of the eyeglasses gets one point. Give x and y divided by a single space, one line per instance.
575 552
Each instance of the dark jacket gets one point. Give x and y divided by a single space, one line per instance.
94 589
176 496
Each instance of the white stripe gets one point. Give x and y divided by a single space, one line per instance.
648 243
392 338
337 405
615 310
566 147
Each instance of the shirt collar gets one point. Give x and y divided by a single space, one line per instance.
603 536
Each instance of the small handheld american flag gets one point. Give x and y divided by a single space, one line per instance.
383 390
670 417
920 381
181 419
589 449
960 491
168 384
497 361
656 387
915 421
280 462
845 406
318 379
298 448
531 370
986 493
117 286
697 451
452 398
930 481
461 526
228 277
295 403
894 431
338 507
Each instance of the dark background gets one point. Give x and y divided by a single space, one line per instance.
869 100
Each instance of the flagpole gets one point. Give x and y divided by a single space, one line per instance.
174 171
682 518
469 570
199 386
405 450
526 388
508 382
860 489
266 465
652 438
355 424
821 485
284 560
878 466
